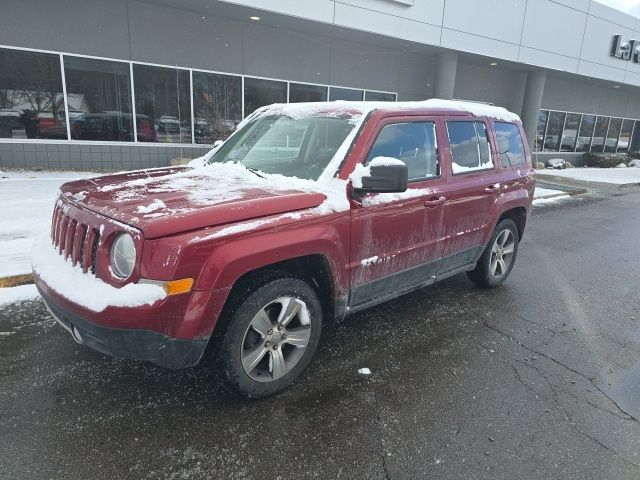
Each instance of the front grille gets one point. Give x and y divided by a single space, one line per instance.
75 240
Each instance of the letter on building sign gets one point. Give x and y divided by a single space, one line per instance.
629 51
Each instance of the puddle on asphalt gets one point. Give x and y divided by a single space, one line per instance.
624 388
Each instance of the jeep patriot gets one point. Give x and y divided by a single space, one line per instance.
307 213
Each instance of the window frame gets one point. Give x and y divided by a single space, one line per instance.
393 120
490 142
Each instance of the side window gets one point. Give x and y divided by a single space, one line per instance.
510 144
469 146
414 143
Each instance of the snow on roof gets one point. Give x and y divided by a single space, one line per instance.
301 110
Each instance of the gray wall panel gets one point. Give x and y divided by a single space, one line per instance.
485 84
368 66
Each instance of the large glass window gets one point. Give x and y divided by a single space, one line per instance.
350 94
217 106
31 103
586 131
414 143
469 146
612 135
99 99
370 96
635 138
625 136
510 144
301 92
295 147
554 131
570 132
599 134
258 93
163 104
543 115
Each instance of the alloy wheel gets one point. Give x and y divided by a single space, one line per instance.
502 253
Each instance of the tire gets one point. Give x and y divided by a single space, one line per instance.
258 358
504 239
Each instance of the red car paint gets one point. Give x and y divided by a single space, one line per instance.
459 213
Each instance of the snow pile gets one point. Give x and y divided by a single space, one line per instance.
370 261
634 163
85 289
364 371
547 192
613 176
18 294
621 165
152 207
556 163
550 201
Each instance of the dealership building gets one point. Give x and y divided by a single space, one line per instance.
123 84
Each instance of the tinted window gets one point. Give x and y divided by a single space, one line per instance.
469 146
414 143
258 93
217 106
625 136
31 103
350 94
612 135
510 144
300 92
370 96
554 132
163 104
599 134
540 129
586 131
635 138
99 99
570 132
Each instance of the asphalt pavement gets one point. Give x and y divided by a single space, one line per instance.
537 379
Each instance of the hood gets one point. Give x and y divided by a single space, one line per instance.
166 201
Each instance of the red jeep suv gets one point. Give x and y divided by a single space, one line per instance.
308 212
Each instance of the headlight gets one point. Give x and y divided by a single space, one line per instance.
123 256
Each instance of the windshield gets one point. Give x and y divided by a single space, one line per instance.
295 147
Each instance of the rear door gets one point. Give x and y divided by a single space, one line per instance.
472 189
394 236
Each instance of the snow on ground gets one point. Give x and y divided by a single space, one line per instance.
546 192
17 294
27 199
614 176
550 201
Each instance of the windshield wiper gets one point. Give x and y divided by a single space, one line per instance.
254 171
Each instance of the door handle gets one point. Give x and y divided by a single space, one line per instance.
492 188
435 201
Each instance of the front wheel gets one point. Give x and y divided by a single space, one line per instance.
272 335
498 257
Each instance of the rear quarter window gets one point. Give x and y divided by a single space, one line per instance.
469 144
510 144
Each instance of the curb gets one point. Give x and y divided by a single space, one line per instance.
16 280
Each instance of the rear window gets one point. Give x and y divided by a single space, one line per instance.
469 147
510 144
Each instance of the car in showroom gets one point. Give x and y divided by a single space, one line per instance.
307 213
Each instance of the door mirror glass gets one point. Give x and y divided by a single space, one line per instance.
382 175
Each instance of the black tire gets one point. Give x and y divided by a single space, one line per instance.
252 296
482 274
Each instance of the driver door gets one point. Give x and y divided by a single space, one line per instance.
394 236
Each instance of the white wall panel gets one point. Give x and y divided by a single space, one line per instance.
612 15
371 21
484 46
598 37
582 5
600 71
553 27
548 60
427 11
496 19
320 10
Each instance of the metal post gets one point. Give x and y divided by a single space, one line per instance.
532 102
446 75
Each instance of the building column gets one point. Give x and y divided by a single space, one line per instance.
446 69
532 102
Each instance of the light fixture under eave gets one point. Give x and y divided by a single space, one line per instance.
494 64
254 18
616 86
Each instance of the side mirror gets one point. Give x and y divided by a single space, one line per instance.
383 175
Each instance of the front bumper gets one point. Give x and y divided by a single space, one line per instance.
138 344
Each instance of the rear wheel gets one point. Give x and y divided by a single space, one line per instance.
272 335
498 257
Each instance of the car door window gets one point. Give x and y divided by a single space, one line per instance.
469 145
412 142
510 144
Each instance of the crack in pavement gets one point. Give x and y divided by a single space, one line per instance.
381 450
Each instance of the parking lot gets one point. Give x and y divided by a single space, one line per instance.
537 379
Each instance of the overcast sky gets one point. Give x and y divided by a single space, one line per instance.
629 6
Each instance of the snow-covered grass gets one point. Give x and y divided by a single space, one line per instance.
17 294
614 176
547 192
27 200
550 201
